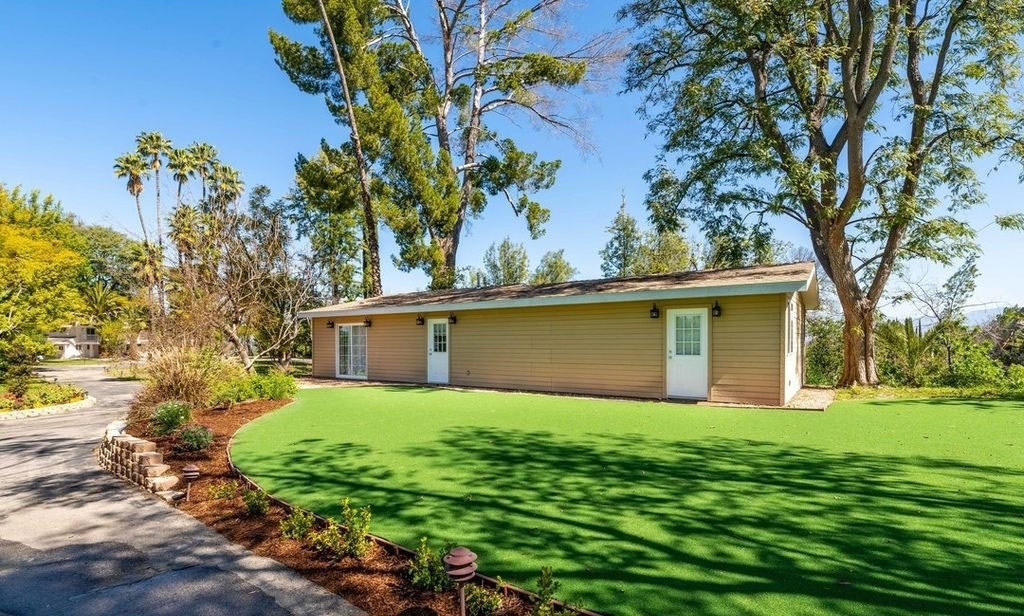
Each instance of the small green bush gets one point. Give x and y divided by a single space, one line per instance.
238 389
171 415
1015 377
256 501
297 525
223 490
426 571
7 402
481 601
328 540
546 589
275 385
193 437
357 535
49 394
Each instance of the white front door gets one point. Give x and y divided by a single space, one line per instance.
437 350
686 369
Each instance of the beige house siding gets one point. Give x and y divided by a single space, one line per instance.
396 348
610 349
323 349
606 349
745 350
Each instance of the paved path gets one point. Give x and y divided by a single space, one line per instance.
77 540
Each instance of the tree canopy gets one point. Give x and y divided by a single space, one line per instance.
420 91
859 120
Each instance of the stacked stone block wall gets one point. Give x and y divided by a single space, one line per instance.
135 460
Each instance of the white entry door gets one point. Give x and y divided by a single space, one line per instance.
686 369
437 350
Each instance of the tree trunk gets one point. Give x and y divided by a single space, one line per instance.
858 345
371 247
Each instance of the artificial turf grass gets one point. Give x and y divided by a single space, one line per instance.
659 508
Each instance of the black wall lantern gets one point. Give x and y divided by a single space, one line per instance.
367 322
419 320
451 318
330 325
716 310
655 313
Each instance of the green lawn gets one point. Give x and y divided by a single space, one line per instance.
875 507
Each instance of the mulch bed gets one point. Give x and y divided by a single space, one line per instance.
377 583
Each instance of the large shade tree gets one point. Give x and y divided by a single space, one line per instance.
421 90
860 120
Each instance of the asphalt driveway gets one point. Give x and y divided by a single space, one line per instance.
74 539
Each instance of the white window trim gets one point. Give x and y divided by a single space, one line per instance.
791 326
351 377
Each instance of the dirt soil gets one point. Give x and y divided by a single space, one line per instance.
378 583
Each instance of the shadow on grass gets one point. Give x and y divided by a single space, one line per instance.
639 525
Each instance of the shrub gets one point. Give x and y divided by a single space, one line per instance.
226 489
256 501
171 415
1015 377
426 571
48 394
275 385
7 402
972 367
481 601
328 540
238 389
193 437
297 525
546 589
188 374
357 534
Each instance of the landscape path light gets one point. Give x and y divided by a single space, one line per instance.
460 565
190 473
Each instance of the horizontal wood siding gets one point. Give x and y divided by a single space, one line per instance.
746 350
608 349
396 348
323 349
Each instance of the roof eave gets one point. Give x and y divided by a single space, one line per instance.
808 287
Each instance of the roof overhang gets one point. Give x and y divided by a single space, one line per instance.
807 288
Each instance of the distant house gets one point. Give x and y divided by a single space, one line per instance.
732 335
75 341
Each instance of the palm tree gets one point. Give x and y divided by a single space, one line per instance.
153 147
226 184
205 157
183 165
133 167
101 303
185 231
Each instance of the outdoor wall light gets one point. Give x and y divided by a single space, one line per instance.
655 313
451 318
330 325
419 320
367 322
716 310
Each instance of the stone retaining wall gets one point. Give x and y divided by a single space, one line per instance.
135 460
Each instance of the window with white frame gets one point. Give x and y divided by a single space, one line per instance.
791 323
352 351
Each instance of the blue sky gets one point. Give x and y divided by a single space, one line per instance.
82 78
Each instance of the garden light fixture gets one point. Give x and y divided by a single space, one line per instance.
460 565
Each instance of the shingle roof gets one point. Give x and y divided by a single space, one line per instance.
789 277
